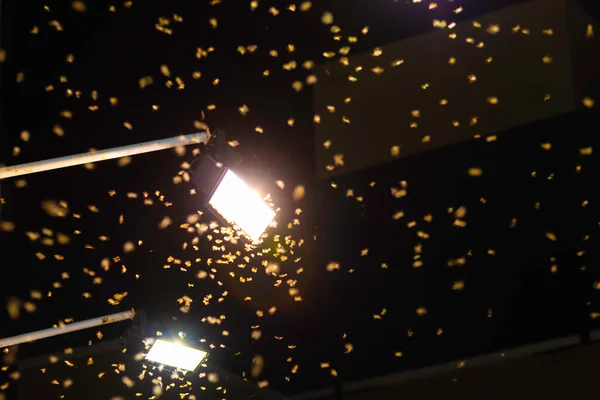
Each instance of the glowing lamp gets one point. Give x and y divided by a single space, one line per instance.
175 355
232 199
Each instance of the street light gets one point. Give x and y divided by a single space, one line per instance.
231 199
175 355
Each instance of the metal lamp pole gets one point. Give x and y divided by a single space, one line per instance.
60 330
101 155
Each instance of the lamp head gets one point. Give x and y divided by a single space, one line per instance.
228 196
175 354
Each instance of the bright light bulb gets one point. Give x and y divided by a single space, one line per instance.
242 206
175 355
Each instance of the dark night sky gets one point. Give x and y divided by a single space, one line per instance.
510 296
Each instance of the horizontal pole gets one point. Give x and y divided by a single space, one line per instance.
102 155
60 330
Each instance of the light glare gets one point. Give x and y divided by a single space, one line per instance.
175 355
241 205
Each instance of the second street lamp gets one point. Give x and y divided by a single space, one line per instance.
169 353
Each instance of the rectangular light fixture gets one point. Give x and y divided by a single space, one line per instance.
175 355
242 206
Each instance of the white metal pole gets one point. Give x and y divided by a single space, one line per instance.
60 330
101 155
